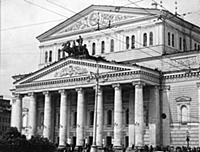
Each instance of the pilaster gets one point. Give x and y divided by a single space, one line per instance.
198 86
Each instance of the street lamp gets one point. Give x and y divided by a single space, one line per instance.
95 76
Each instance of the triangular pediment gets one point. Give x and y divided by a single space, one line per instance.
71 68
95 15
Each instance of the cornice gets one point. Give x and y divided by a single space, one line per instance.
120 76
182 76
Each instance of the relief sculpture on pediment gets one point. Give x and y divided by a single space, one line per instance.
71 71
103 19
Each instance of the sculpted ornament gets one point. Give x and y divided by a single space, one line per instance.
71 71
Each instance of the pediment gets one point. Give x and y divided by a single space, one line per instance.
88 19
183 99
71 68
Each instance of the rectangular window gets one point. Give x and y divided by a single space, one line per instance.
127 42
111 45
169 38
133 42
172 40
102 46
180 43
93 48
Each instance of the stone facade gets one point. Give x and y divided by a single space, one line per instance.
147 92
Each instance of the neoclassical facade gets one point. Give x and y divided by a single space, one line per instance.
145 91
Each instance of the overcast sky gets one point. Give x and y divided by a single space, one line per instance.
23 20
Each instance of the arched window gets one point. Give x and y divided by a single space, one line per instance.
127 117
173 40
169 40
93 48
184 114
50 56
46 57
133 42
180 43
91 119
145 39
109 117
127 42
151 38
102 46
111 45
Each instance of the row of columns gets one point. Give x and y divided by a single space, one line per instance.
136 118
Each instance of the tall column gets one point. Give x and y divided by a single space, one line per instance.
139 115
47 116
165 112
16 119
63 118
154 112
99 117
117 116
131 126
80 117
32 114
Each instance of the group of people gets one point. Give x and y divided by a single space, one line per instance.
146 148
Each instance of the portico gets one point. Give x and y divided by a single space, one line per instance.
71 98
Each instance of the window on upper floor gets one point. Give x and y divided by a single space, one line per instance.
109 117
180 43
127 42
132 41
50 56
93 48
102 46
91 119
173 40
63 54
184 45
145 39
111 45
59 51
46 57
151 38
168 37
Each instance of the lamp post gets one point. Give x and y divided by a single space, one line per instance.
96 77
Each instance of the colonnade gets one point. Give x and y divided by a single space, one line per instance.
136 119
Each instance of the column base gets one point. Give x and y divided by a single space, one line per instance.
130 149
78 149
94 148
139 148
118 149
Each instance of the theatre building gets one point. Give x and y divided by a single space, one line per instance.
116 75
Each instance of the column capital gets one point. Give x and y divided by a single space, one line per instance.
17 95
116 86
79 89
138 84
31 94
46 93
165 87
62 91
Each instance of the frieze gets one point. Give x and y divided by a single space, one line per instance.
71 71
103 19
